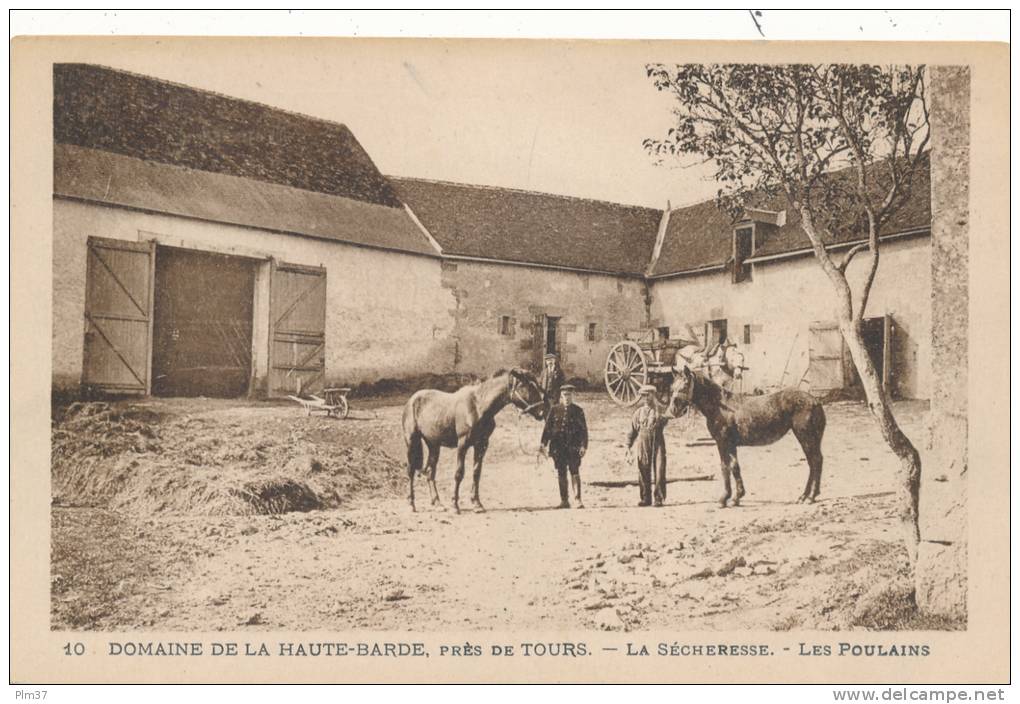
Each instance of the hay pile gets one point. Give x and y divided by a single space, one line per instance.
129 458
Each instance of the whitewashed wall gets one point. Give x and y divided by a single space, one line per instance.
387 314
785 297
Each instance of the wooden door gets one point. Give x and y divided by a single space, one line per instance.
297 355
551 329
826 357
118 315
887 341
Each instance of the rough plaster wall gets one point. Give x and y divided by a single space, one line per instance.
785 297
387 314
486 292
941 574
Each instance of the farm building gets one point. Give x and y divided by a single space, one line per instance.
217 246
220 247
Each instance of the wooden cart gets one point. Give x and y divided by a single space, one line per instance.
642 359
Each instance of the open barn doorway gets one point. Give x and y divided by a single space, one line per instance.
878 333
202 332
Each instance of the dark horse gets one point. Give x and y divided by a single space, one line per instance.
735 420
463 419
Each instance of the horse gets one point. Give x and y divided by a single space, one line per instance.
734 420
465 420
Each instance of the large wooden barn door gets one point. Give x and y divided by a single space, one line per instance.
118 315
297 356
826 367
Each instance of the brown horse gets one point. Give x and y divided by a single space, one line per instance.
463 419
735 420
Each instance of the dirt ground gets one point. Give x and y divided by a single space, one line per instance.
137 553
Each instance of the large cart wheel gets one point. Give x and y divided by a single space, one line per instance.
626 372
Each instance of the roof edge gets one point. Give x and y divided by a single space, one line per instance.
902 234
290 233
424 230
792 254
537 265
510 189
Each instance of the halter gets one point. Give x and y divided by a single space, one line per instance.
688 395
518 400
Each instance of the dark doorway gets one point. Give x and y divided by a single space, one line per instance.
202 332
877 334
550 334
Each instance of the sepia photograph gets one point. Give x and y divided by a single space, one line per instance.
604 338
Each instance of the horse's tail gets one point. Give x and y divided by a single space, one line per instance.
413 438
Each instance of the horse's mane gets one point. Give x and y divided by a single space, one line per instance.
706 381
515 371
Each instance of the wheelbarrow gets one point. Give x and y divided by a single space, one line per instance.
333 402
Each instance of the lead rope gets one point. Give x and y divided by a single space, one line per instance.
520 443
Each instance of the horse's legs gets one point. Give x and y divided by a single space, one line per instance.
815 462
410 479
809 433
724 462
814 481
735 468
479 454
462 449
430 466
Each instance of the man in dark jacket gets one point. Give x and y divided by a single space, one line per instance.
565 439
551 381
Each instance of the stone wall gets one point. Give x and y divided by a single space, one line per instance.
941 573
486 293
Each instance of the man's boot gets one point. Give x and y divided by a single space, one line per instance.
575 480
564 502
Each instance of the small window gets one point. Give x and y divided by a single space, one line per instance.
504 325
591 332
743 249
747 334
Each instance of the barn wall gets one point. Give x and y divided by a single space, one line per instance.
486 292
785 297
387 313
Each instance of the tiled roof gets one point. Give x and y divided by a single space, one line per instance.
701 236
104 177
535 228
158 121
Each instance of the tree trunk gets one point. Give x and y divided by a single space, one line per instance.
878 404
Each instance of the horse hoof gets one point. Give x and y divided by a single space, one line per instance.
479 508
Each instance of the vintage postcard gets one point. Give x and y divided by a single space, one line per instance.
509 361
